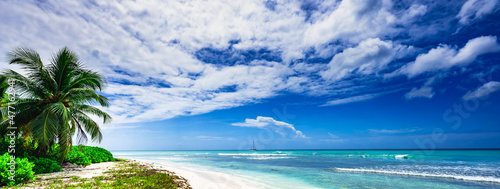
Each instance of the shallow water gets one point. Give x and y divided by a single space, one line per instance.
344 168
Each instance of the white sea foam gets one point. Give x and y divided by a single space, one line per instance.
404 156
458 177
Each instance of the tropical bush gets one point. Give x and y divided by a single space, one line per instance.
79 155
78 158
23 171
45 165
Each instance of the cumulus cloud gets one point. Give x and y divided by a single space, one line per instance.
444 57
148 49
368 57
475 10
269 123
483 91
353 21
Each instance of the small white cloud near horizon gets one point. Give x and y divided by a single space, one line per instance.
475 10
333 138
394 131
332 135
483 91
279 127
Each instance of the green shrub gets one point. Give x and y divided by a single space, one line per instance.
23 171
77 157
94 154
45 165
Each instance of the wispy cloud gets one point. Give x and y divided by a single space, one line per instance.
350 99
394 131
333 138
425 92
476 9
279 127
483 91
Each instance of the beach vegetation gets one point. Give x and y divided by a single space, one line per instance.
54 101
51 107
23 170
45 165
126 174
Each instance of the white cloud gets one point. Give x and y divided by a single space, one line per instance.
395 131
368 57
353 21
445 57
147 49
333 138
425 92
350 99
269 123
332 135
476 9
483 91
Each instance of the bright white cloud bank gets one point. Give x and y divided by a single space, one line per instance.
148 49
445 57
269 123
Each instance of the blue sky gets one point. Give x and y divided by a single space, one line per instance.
353 74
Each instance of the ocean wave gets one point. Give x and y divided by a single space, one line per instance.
404 156
458 177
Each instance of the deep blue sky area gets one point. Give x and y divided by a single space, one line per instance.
352 74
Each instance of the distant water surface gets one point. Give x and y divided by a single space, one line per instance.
344 168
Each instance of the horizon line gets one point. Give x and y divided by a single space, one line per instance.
394 149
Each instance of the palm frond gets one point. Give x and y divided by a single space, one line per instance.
44 127
80 95
94 111
25 86
89 125
87 79
30 60
64 66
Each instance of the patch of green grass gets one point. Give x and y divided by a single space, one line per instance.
125 174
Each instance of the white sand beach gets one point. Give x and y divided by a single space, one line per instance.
206 179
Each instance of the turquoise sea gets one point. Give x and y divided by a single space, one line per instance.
344 168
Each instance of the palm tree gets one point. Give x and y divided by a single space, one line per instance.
54 101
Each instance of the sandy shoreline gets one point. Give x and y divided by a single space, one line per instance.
205 179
